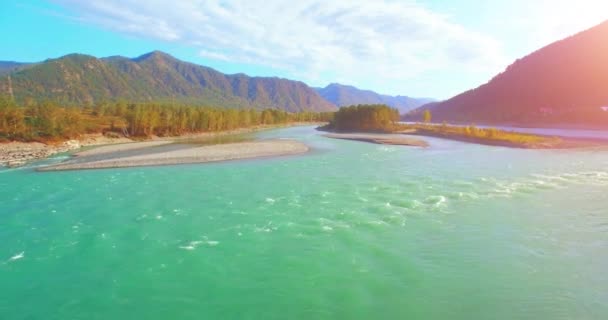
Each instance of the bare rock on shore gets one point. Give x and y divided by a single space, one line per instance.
14 154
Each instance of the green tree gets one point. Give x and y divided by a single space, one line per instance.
427 117
12 119
48 120
365 118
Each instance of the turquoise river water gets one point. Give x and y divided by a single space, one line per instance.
349 231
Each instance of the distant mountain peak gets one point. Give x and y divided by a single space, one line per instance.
10 66
74 56
154 55
345 95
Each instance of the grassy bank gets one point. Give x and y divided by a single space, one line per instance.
383 119
487 136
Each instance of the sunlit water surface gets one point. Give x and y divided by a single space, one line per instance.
348 231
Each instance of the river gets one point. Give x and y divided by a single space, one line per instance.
349 231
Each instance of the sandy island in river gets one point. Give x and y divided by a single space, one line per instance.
112 148
379 138
195 154
14 154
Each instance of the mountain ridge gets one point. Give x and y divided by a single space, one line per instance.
563 82
346 95
7 67
77 79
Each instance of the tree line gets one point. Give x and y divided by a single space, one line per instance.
44 121
371 117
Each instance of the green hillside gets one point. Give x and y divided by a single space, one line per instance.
78 79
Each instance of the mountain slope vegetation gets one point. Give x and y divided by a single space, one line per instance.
565 82
78 79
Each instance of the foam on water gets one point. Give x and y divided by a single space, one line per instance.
191 245
492 187
16 257
436 201
212 243
387 149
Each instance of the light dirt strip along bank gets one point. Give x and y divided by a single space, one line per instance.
394 139
212 153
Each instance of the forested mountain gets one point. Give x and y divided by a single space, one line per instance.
563 83
343 95
78 79
11 66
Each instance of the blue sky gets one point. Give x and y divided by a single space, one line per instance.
430 48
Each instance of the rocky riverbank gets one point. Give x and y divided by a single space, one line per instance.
14 154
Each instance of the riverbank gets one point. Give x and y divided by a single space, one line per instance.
391 139
517 125
204 154
501 138
14 154
469 134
